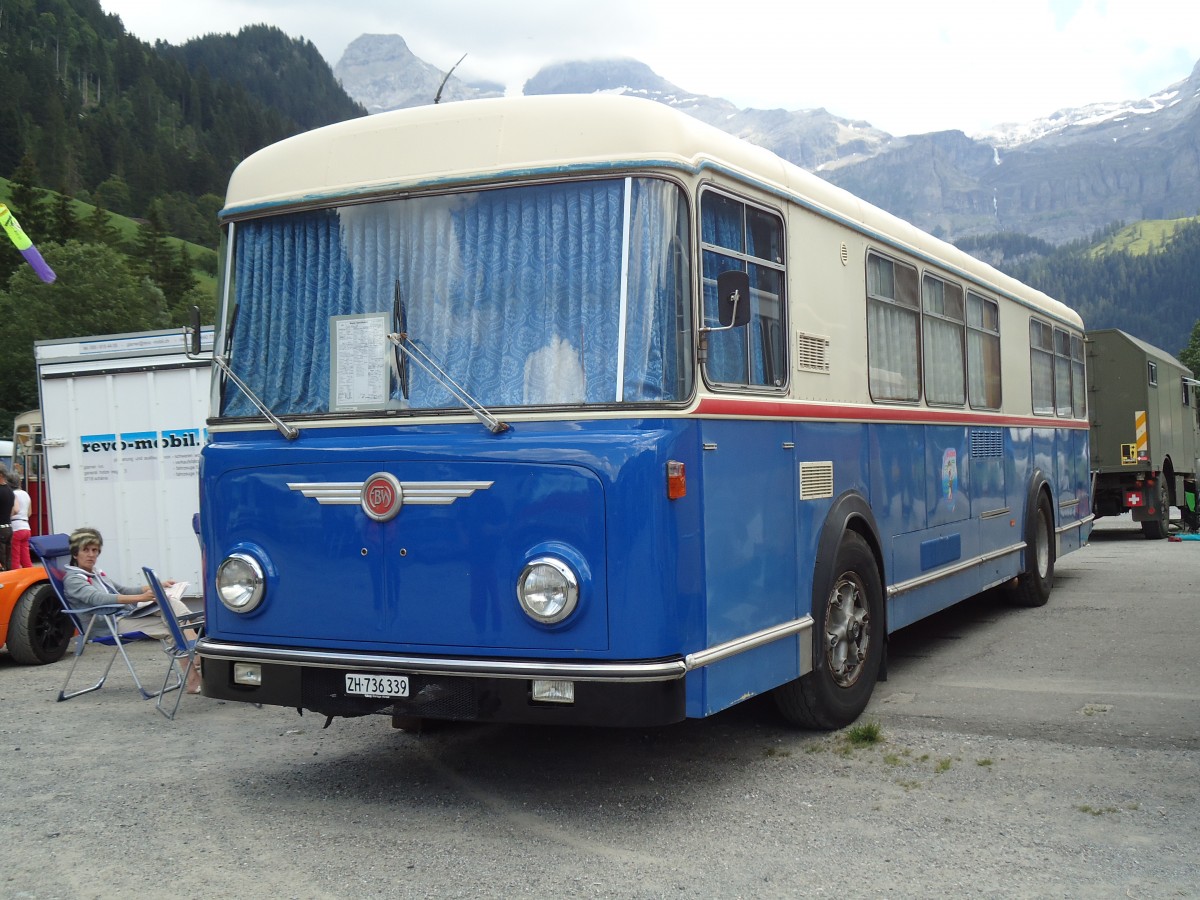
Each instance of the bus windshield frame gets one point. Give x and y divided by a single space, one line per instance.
561 293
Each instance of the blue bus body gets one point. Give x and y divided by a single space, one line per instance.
724 538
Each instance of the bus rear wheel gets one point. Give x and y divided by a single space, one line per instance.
847 645
1035 583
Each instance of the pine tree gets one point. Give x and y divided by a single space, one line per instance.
64 223
152 255
99 229
1190 355
27 201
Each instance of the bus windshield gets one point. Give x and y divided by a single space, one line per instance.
553 294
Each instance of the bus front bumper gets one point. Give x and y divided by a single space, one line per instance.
623 693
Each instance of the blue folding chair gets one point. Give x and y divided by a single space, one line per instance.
54 551
179 648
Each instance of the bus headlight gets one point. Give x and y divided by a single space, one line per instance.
547 590
240 582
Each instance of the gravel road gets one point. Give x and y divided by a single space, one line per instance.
1022 753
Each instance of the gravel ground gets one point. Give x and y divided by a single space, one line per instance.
980 786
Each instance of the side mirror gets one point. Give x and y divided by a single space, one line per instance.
733 298
192 334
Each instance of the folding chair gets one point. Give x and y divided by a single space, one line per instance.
53 550
179 648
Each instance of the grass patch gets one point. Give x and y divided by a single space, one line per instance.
1095 811
943 765
1140 238
864 734
984 762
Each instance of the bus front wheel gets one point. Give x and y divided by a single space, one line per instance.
847 645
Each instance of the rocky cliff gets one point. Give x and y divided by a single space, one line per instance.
1060 178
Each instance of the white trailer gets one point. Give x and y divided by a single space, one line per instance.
123 421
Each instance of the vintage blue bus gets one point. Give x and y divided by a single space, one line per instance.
574 409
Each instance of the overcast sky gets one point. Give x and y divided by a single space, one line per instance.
906 67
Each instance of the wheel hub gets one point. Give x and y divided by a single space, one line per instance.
847 630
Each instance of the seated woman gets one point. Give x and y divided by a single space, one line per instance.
85 586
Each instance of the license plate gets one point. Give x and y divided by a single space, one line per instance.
365 684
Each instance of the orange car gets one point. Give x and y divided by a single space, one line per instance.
32 623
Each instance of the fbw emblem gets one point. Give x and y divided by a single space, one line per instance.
382 496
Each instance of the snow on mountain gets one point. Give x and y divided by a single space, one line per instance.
1124 113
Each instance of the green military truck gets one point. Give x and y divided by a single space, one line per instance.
1144 406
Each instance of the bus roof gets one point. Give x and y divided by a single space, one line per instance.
485 141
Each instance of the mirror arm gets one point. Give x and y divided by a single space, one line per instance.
736 297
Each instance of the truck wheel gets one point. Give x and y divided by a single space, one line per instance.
39 631
847 645
1157 528
1189 508
1034 584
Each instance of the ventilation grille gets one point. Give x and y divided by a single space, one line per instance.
816 480
986 443
812 353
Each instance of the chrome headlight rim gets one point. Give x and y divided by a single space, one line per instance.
569 590
244 593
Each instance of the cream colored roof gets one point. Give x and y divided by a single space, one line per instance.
498 139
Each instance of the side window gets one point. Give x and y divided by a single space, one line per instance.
893 323
1183 383
1078 379
1152 374
1062 373
943 349
738 236
1041 367
983 351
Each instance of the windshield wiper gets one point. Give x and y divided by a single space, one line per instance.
400 323
407 346
192 342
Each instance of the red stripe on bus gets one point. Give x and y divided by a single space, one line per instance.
801 409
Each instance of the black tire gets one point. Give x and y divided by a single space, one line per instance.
848 636
39 631
1159 527
1191 517
1035 583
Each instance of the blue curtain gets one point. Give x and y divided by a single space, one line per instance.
497 286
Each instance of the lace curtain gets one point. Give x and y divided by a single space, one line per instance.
519 294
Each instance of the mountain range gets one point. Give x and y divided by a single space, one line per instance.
1060 178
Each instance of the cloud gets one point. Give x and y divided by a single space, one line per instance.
905 67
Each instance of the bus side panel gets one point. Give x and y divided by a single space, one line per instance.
899 493
1045 457
656 545
947 482
898 488
1074 488
749 493
720 685
757 528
